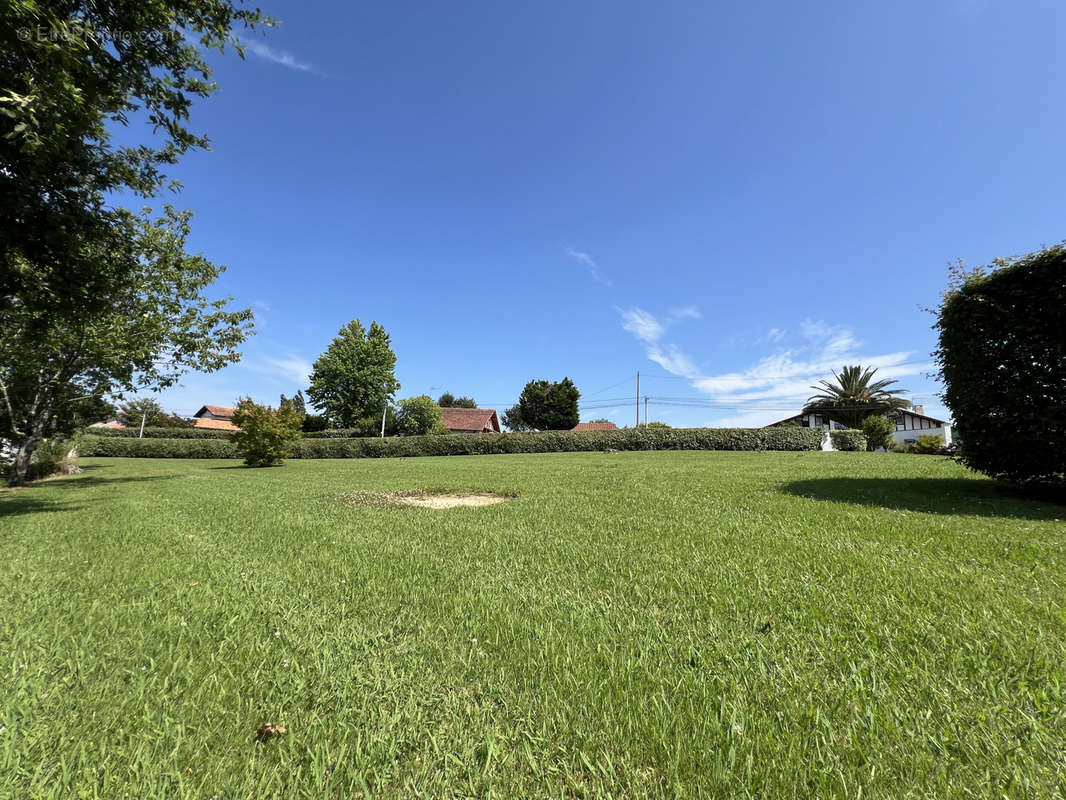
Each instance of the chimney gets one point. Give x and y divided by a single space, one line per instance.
918 409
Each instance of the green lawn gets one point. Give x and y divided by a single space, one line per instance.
603 634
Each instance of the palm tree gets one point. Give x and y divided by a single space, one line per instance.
854 397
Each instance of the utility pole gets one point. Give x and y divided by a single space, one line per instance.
638 398
645 411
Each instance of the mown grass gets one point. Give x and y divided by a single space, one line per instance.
606 633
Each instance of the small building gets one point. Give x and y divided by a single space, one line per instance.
219 418
595 426
910 424
470 420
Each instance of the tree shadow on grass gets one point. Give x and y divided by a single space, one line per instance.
933 496
24 502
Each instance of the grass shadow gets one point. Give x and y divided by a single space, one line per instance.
25 502
931 496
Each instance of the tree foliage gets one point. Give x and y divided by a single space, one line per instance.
854 395
878 431
296 401
266 434
132 411
70 73
1002 359
419 416
158 324
545 406
449 400
94 298
355 378
511 419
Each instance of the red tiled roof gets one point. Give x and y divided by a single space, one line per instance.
595 426
470 419
218 411
216 424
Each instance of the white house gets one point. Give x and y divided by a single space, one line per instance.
914 422
910 424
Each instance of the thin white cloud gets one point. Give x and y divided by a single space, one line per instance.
774 335
641 324
673 360
688 312
292 368
589 263
268 53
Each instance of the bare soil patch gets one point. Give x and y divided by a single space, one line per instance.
420 498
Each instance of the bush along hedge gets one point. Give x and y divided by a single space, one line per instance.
158 433
124 447
848 440
480 444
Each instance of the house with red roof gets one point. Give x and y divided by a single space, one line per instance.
218 418
470 420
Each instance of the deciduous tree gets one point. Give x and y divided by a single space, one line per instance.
547 406
159 324
355 378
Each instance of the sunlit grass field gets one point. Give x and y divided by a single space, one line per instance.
632 625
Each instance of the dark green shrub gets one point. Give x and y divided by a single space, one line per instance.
314 422
1002 358
266 434
847 440
878 432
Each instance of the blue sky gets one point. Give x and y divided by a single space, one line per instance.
735 199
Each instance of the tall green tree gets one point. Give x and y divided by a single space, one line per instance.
546 406
159 324
95 298
853 395
356 377
449 400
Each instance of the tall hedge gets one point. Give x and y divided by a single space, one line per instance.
479 444
1002 358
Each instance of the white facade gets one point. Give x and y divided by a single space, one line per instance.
912 424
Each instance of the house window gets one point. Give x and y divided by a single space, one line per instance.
901 423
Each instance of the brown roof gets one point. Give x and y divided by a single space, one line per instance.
216 424
218 411
470 419
595 426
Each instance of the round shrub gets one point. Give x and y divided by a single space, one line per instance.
1002 358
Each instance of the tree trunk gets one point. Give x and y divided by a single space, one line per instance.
20 467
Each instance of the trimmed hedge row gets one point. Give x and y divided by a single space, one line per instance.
133 432
480 443
125 447
848 440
